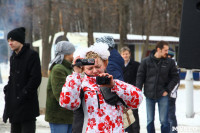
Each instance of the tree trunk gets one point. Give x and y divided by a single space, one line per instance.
89 21
149 15
29 37
47 30
90 31
123 21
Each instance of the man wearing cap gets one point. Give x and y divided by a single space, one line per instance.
171 53
60 119
172 100
21 99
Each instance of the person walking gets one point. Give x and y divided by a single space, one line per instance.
21 98
130 69
60 119
99 115
159 76
172 101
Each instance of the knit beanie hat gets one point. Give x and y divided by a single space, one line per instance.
17 34
171 52
62 48
106 39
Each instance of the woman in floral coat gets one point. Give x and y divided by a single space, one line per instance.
100 117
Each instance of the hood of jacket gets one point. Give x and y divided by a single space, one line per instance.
116 58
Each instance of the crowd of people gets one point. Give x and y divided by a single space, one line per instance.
90 91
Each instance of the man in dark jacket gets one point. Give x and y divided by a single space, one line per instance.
21 99
159 76
130 69
172 101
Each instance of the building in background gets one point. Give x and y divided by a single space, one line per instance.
134 42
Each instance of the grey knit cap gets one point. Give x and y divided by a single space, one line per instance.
106 39
62 48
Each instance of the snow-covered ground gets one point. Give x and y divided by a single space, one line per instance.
185 125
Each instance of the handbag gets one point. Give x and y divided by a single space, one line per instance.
128 117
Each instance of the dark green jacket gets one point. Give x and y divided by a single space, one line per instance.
55 113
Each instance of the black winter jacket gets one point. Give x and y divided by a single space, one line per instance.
21 98
157 76
130 72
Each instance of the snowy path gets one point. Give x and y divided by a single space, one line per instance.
185 125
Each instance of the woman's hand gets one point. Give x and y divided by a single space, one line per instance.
111 85
77 69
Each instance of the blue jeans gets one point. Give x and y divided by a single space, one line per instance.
172 115
163 114
60 128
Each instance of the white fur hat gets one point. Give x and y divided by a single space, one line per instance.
101 50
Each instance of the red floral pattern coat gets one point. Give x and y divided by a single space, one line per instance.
102 117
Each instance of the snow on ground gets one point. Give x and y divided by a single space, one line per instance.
185 125
42 125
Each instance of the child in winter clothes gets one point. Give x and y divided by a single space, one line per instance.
99 116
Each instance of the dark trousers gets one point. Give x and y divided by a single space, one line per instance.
135 127
24 127
78 121
172 115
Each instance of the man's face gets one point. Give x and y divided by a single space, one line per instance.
164 52
15 45
126 55
96 69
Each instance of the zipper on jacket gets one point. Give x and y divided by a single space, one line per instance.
157 75
98 99
157 66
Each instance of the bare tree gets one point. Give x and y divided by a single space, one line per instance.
49 26
174 17
123 21
29 21
89 21
149 13
43 18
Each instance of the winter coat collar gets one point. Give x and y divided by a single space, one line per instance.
130 62
67 64
154 58
24 48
